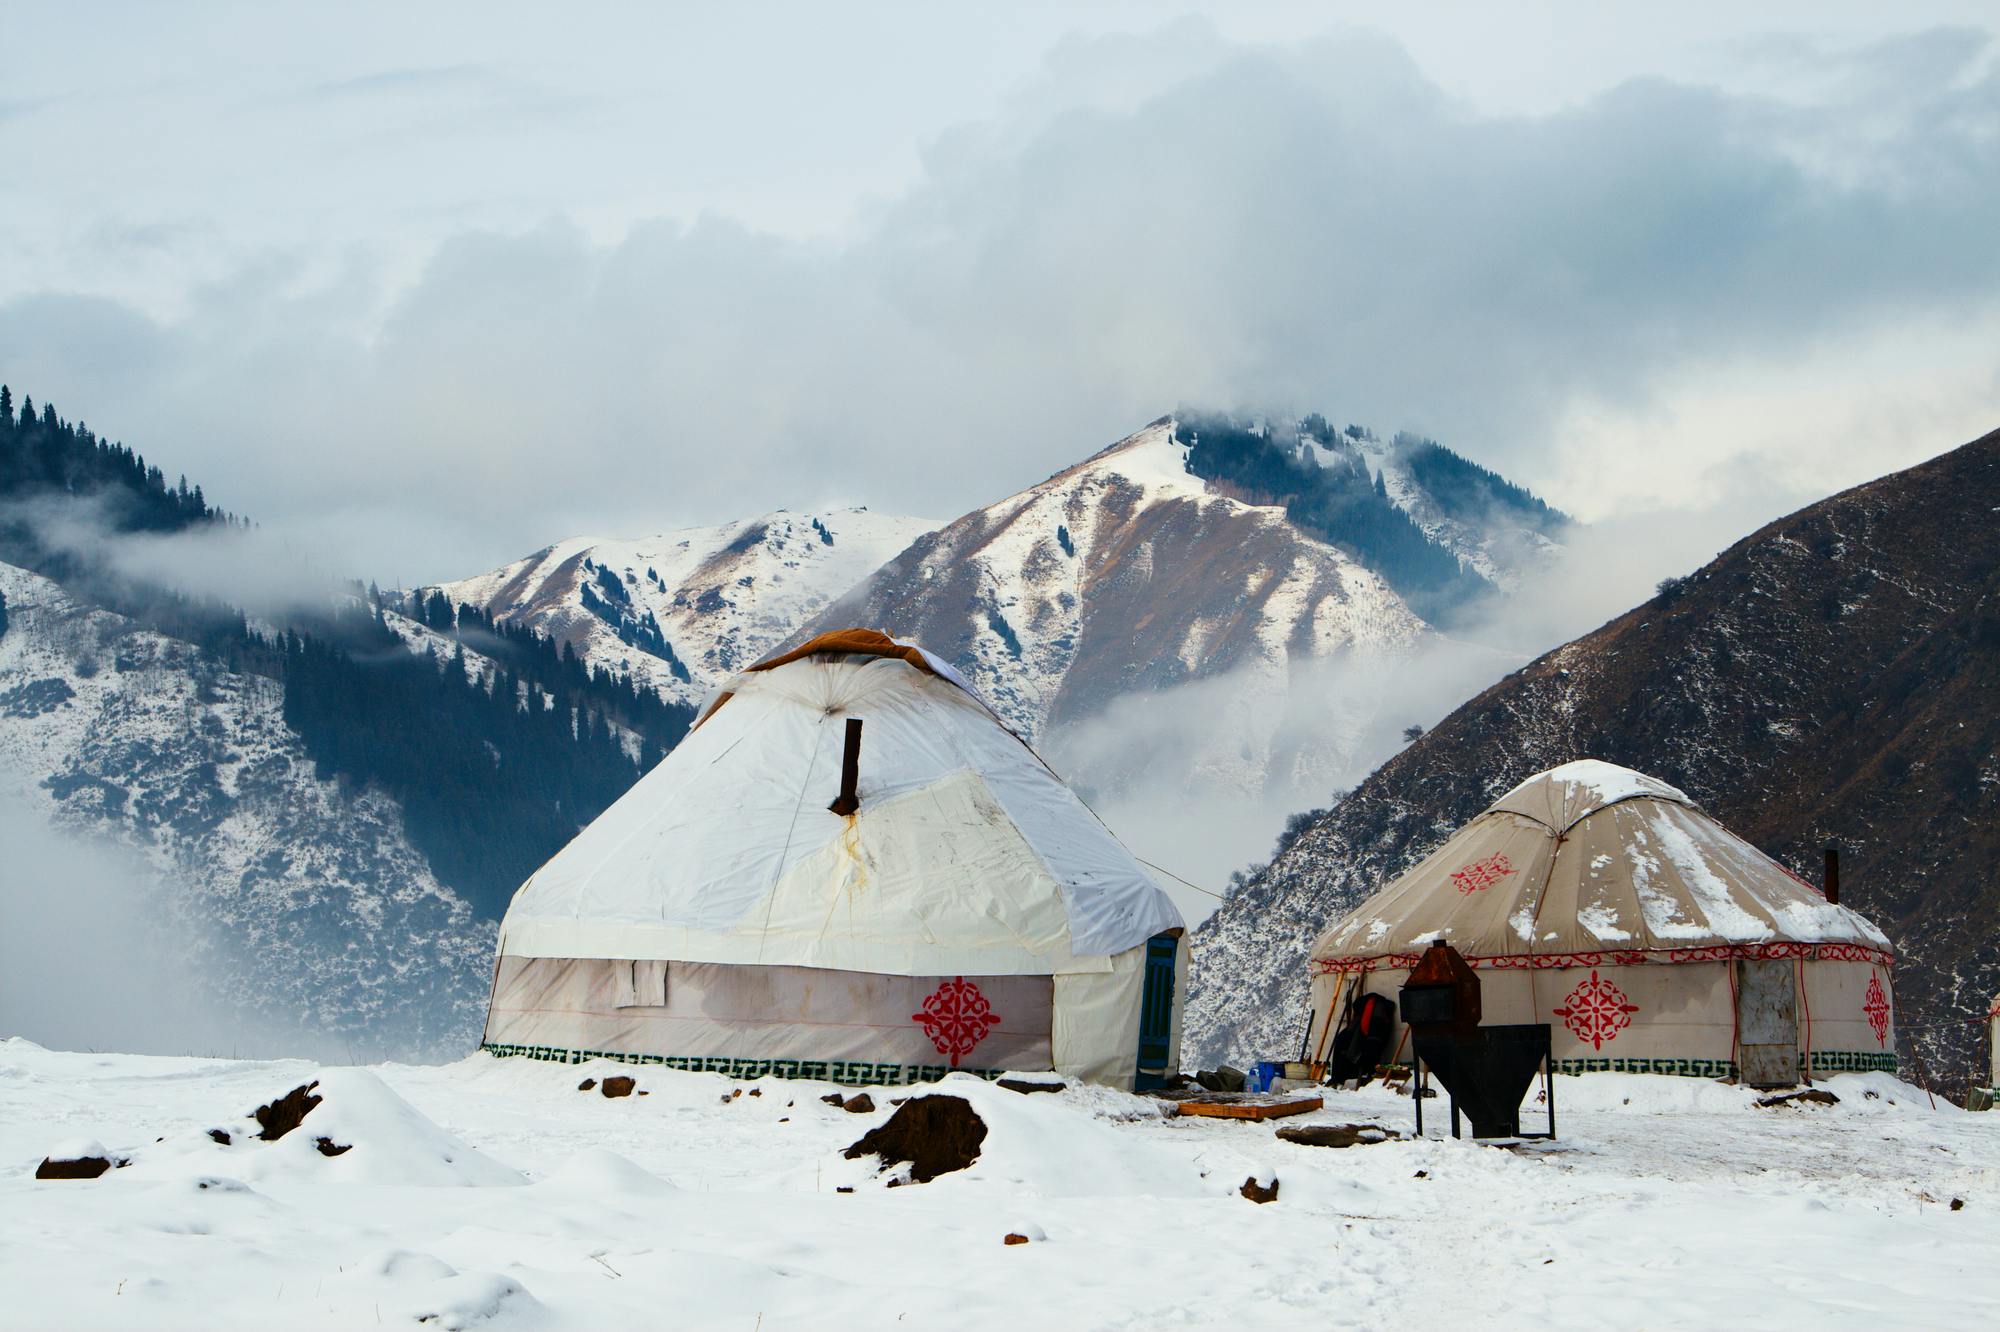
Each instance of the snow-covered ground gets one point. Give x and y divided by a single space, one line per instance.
492 1193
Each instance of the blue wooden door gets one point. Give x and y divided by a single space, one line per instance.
1156 1012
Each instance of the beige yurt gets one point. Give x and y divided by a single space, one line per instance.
1649 937
850 870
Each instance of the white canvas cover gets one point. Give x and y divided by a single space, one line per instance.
968 856
971 914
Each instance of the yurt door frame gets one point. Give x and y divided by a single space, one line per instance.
1156 1012
1767 1023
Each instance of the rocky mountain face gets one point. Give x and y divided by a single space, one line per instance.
1831 680
297 903
1130 574
683 610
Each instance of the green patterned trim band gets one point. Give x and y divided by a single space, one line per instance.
1823 1062
1679 1068
1853 1061
848 1072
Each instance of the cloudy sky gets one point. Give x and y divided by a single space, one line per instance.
428 287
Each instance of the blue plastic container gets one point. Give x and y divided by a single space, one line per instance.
1260 1076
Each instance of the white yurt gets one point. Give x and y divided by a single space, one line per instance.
1650 938
962 910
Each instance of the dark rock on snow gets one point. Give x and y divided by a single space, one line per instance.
935 1134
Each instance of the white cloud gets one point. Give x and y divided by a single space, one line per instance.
1316 225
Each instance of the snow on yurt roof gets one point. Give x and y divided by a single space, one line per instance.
1590 857
968 856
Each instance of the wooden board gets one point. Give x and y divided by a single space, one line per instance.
1248 1105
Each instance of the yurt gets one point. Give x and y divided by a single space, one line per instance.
1650 938
851 870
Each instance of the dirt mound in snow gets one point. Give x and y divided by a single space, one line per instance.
935 1134
286 1113
1338 1135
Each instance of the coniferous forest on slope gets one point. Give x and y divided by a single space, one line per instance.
1333 497
494 775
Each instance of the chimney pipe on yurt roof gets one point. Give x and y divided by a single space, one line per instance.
849 799
1832 881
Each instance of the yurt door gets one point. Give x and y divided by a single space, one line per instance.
1156 1012
1767 1024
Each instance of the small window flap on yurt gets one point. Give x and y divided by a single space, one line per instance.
1649 936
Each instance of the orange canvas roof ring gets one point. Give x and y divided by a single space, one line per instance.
838 642
851 642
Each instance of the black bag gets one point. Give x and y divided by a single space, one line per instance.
1358 1045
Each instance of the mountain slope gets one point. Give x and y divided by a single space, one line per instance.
683 610
1831 679
1122 573
306 906
1167 634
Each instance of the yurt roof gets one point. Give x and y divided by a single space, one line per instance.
1585 859
968 856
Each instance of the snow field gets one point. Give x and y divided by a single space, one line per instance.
715 1203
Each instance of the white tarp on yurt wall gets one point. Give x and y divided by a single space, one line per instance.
971 886
1650 938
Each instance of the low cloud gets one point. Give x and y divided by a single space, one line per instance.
1316 226
1200 779
93 956
255 569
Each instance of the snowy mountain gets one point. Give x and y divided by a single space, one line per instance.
299 903
684 609
1833 679
1170 637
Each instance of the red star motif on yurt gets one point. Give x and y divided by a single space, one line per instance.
956 1017
1876 1006
1596 1011
1482 873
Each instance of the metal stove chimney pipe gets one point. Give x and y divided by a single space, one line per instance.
849 799
1832 876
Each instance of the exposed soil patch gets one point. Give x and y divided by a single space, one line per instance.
859 1105
1013 1237
83 1167
1810 1096
586 1084
283 1115
328 1147
1338 1135
221 1136
618 1086
935 1134
1028 1087
1258 1193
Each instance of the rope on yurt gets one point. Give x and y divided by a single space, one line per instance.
771 895
1151 866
